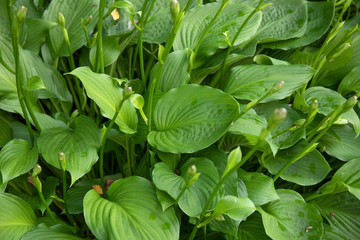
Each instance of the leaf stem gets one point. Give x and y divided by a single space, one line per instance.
99 59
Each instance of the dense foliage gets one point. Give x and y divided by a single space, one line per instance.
159 119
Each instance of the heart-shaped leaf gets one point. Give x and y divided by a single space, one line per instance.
190 118
17 157
291 218
80 145
16 217
102 89
194 198
131 211
250 82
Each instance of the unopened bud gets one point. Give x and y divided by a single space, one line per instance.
314 106
61 20
350 103
220 218
127 92
36 170
21 13
192 170
298 124
88 20
192 176
277 86
174 9
276 118
62 161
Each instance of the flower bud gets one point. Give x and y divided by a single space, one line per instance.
349 104
192 176
277 86
174 9
36 170
127 92
88 20
298 124
191 171
276 118
61 20
314 106
62 161
21 13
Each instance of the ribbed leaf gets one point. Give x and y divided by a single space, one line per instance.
111 50
250 82
341 142
252 229
103 90
17 157
198 18
131 211
308 170
48 233
194 199
174 73
260 188
342 211
80 145
351 82
16 217
320 16
195 122
291 218
5 133
73 11
328 101
36 32
238 208
346 178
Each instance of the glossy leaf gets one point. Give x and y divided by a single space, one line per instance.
103 90
16 217
131 211
111 50
342 211
48 233
194 123
345 178
37 30
17 157
194 198
320 16
328 101
257 80
237 208
341 142
5 133
73 11
79 143
308 170
260 188
231 18
291 217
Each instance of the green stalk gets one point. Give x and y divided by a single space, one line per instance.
207 29
65 198
71 87
140 41
128 153
99 59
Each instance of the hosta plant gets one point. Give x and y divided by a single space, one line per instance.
179 119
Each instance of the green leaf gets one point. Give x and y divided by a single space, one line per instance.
174 73
76 194
194 123
291 218
346 178
351 82
48 233
102 89
308 170
281 21
257 80
79 143
342 211
131 211
111 50
320 16
331 234
262 59
16 217
328 101
73 11
230 19
194 198
238 208
17 157
341 142
252 229
5 133
37 30
260 188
